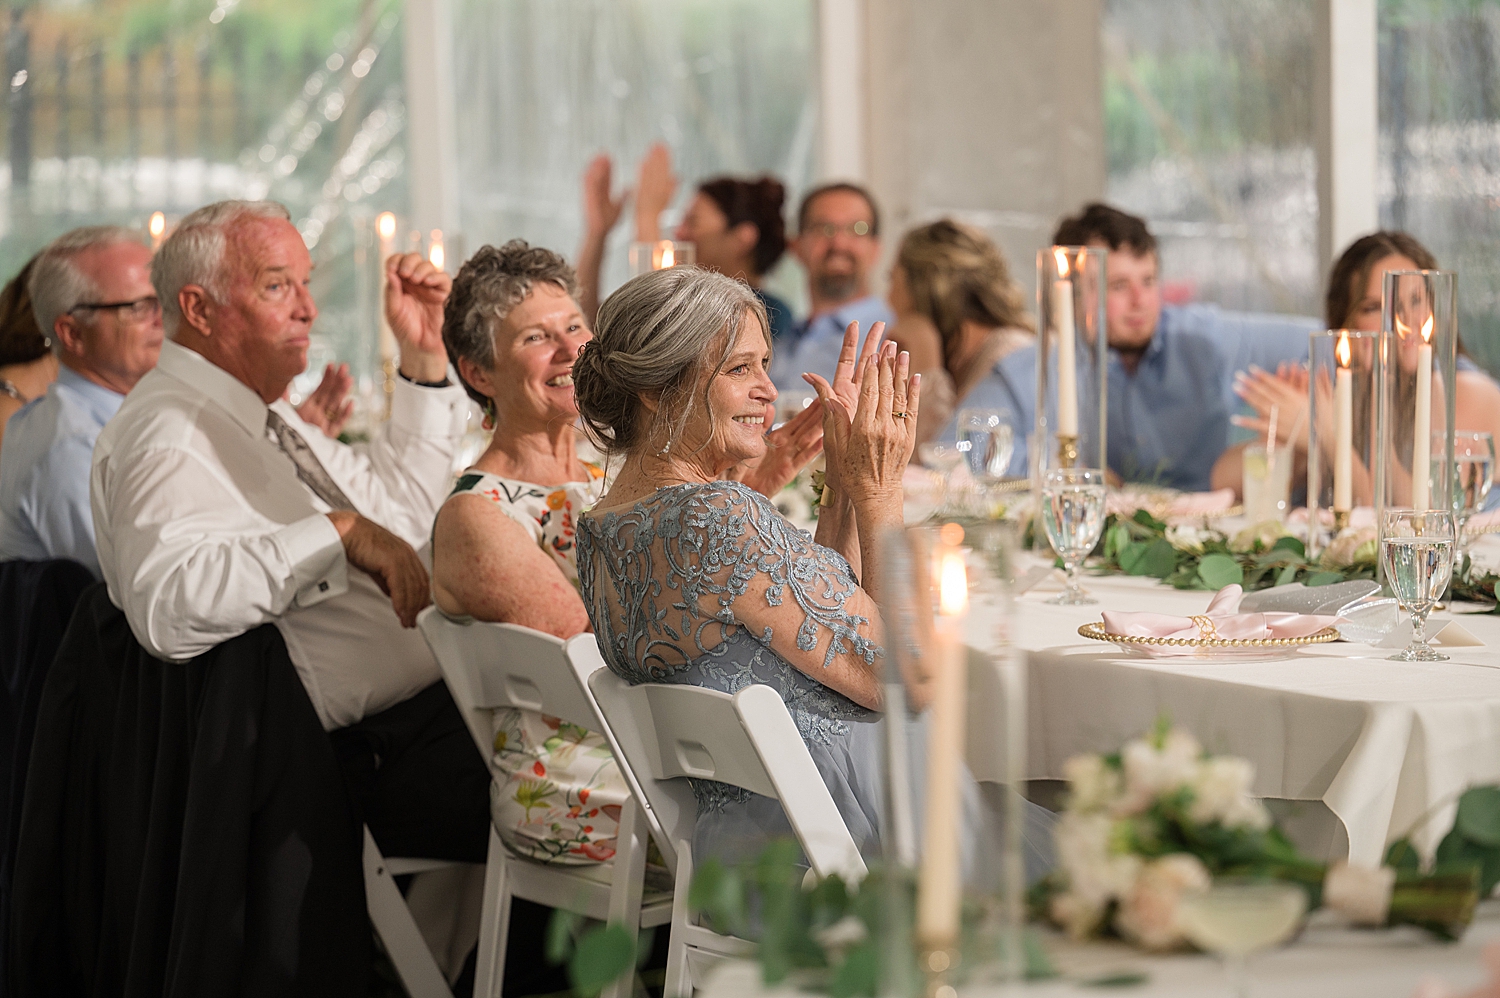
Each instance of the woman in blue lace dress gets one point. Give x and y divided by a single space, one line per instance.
688 578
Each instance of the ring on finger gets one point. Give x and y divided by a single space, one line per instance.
900 415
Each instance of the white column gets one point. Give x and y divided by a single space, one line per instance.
841 90
1346 124
431 125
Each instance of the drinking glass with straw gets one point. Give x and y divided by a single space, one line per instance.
1267 473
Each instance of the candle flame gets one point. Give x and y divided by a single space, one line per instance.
953 580
1343 349
435 254
158 224
385 225
1402 329
1427 330
668 257
1061 255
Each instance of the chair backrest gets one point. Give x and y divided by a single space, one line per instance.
505 665
663 732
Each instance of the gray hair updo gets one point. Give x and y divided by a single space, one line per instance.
490 284
655 335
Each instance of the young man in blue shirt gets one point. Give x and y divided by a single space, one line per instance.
1171 367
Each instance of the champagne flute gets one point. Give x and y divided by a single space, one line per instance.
1235 919
987 441
1073 505
1473 474
1416 551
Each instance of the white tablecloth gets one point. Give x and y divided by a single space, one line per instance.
1380 743
1326 961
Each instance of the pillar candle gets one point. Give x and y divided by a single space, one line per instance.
1067 374
1421 445
939 886
1343 459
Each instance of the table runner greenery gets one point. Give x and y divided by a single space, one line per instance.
1258 557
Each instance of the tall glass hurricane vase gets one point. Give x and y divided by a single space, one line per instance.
1072 361
1416 399
947 605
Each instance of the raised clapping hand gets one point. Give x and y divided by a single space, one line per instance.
388 560
415 291
789 448
329 406
654 189
600 211
1286 389
869 446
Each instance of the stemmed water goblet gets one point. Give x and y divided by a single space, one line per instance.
1235 919
1073 507
1416 552
986 440
1473 474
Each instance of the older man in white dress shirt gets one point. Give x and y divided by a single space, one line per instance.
217 509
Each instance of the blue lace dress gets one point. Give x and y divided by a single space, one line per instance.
663 583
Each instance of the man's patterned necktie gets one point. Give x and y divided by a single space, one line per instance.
309 468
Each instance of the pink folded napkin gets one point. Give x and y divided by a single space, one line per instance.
1218 621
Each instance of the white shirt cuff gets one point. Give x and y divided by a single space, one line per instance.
316 553
429 412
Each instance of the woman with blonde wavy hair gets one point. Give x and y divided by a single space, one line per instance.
958 313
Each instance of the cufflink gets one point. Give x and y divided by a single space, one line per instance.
322 587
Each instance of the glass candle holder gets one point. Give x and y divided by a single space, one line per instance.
664 253
1072 360
1343 384
947 609
1415 403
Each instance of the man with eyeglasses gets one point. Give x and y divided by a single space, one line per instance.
838 243
91 292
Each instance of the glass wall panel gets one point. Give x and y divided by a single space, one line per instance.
1208 126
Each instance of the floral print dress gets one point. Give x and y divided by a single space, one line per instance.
557 793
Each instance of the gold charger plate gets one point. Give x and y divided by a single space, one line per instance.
1206 647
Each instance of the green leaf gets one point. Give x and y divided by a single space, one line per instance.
1220 570
719 892
1292 544
1156 559
859 974
1479 816
603 954
560 931
1286 576
1402 855
1117 979
1323 579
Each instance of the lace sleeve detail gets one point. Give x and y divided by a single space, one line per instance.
693 564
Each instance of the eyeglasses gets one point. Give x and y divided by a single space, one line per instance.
140 310
828 230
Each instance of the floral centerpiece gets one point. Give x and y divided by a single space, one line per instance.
1157 821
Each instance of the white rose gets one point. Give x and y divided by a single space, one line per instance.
1266 533
1347 547
1218 786
1151 772
1150 914
1096 874
1092 783
1359 893
1077 916
1186 537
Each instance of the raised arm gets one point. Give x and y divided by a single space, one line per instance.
601 212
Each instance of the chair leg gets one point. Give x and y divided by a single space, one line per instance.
399 934
626 885
679 975
494 923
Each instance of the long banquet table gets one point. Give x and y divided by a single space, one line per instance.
1384 745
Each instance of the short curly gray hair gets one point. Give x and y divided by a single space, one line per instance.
658 334
487 287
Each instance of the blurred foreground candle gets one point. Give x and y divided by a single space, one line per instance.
1421 445
659 255
1067 365
1343 441
436 254
938 887
158 229
385 234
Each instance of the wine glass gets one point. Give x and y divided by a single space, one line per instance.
1073 518
986 440
1473 474
1416 551
1235 919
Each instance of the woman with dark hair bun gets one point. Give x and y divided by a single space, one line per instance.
27 363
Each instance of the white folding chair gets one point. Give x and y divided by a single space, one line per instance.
398 931
660 733
489 666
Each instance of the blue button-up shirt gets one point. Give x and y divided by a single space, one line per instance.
1169 420
44 472
815 343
